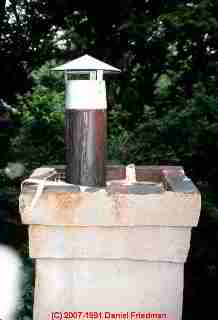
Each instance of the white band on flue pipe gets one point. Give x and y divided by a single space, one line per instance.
85 94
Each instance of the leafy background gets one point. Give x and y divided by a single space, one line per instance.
162 109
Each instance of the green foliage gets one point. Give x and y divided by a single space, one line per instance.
5 135
162 85
185 134
209 206
27 40
118 137
41 137
162 108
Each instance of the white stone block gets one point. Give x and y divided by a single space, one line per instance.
134 243
108 285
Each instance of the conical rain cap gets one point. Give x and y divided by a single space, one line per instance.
86 63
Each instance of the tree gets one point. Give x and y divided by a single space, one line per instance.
27 41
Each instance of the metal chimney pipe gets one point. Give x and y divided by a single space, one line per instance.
86 121
86 141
